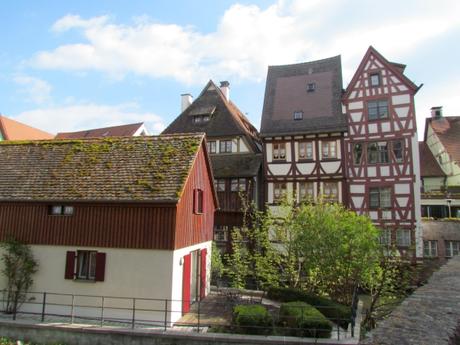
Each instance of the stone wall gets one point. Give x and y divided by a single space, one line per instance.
431 315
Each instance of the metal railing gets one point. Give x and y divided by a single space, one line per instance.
136 312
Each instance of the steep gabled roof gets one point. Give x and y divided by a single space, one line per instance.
241 165
429 167
286 93
114 131
225 117
396 68
447 130
129 169
14 130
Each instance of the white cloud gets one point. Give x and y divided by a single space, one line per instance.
35 90
247 39
77 117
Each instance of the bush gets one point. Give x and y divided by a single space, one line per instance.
330 309
304 320
252 319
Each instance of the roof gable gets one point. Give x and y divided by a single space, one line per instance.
447 129
149 169
14 130
396 68
429 167
113 131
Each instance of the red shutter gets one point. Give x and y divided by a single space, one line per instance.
195 201
70 265
203 274
100 267
186 284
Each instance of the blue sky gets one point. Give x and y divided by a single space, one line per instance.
88 64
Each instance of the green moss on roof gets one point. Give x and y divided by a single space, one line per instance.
141 168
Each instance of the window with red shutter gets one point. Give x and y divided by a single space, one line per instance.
70 265
198 201
100 267
85 265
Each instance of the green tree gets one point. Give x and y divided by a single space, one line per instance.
217 266
19 266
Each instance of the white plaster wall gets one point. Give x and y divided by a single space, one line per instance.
330 167
270 193
235 145
269 152
400 99
306 168
140 130
288 152
355 105
417 198
243 146
279 169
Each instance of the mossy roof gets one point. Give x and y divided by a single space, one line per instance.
150 169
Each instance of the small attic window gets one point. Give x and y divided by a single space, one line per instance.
311 87
200 118
298 115
375 79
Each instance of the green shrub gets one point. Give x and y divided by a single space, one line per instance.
301 319
252 319
332 310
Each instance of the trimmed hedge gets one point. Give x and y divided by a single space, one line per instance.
252 319
301 319
330 309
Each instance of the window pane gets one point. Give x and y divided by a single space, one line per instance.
302 150
398 150
403 237
375 79
357 153
374 197
242 185
332 149
92 265
383 152
372 153
309 149
82 262
234 185
325 150
220 185
56 210
385 197
68 210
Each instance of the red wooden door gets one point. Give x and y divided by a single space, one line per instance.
186 284
203 274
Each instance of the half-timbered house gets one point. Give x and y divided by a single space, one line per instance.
303 129
381 149
120 217
235 150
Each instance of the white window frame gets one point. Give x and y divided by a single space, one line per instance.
430 248
403 237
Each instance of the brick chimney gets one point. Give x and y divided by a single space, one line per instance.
186 100
225 88
436 112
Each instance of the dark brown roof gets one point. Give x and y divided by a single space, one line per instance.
238 165
448 131
286 93
114 131
429 167
225 117
149 169
14 130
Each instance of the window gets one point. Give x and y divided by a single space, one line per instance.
200 118
220 185
306 191
452 248
375 79
329 149
198 201
377 110
298 115
385 237
86 264
380 197
330 192
279 191
311 87
211 146
306 150
279 151
403 237
398 150
238 185
205 118
430 249
357 153
377 152
221 233
61 210
225 146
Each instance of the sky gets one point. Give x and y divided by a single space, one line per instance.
67 66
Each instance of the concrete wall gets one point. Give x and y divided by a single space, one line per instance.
441 231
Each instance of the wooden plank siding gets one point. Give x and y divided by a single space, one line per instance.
91 225
195 228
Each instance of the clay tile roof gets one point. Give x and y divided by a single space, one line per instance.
225 117
14 130
286 93
114 131
429 167
148 169
448 131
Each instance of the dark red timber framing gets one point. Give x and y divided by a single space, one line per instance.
379 147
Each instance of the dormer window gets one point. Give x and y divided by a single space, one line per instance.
298 115
311 87
197 119
375 79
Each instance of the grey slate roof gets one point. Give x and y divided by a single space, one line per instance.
286 92
237 165
149 169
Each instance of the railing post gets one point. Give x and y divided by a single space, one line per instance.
134 314
102 311
338 327
72 310
43 306
166 314
198 329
